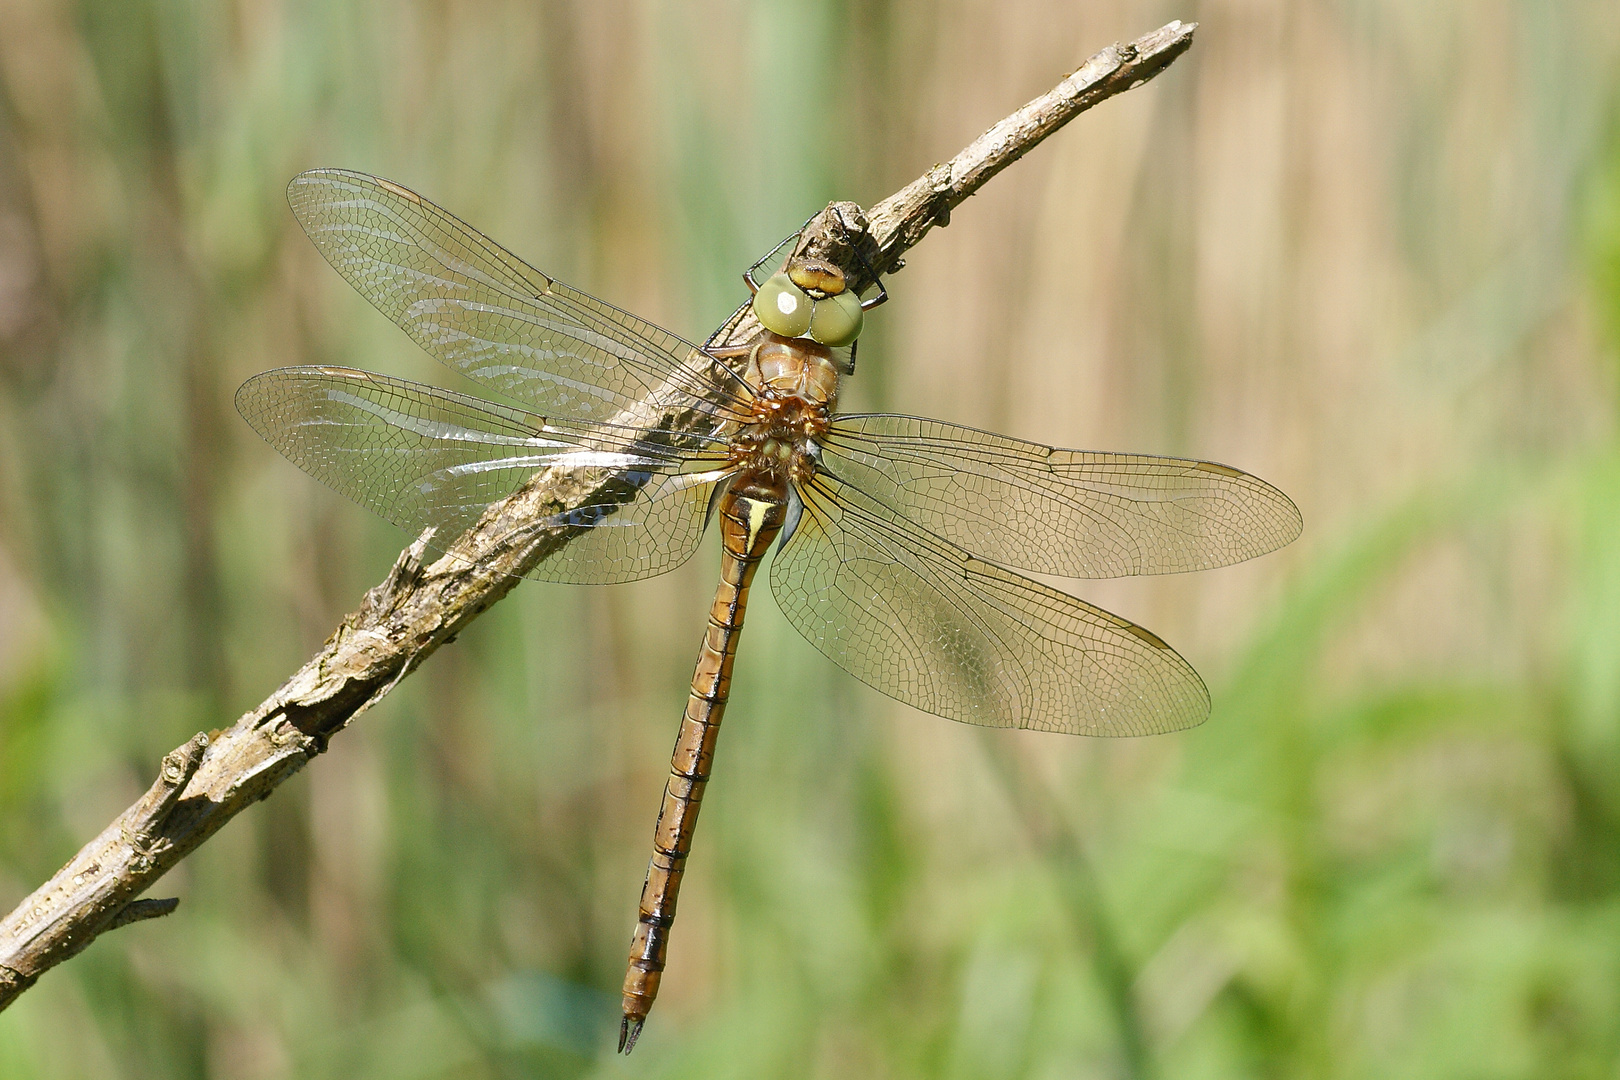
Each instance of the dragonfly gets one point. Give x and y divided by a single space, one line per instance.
898 540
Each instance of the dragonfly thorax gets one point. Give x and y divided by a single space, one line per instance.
795 384
793 367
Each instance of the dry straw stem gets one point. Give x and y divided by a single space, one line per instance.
419 606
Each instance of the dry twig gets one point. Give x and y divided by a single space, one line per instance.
419 607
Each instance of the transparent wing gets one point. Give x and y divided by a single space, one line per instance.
923 621
483 311
420 456
1069 512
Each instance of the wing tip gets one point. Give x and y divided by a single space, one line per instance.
311 178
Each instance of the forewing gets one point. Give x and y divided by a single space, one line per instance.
1074 513
923 621
421 456
488 314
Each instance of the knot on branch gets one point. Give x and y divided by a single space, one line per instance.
842 235
152 812
384 598
178 767
310 722
139 910
180 764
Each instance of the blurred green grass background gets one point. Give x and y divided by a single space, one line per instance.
1366 249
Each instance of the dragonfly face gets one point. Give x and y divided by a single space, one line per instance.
902 537
809 297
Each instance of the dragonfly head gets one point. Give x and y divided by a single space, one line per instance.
809 299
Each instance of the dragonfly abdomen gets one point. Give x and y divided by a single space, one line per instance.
751 515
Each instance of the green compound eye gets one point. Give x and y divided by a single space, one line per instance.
782 307
837 320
